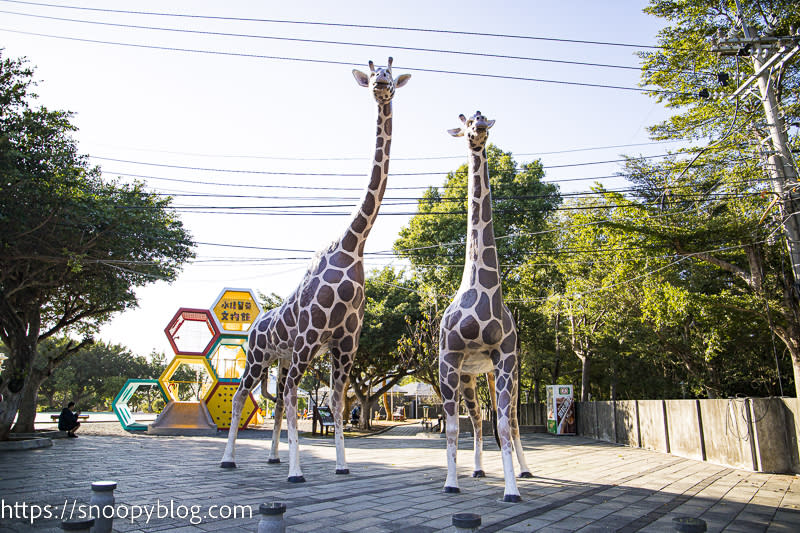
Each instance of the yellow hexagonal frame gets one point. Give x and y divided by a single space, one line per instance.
235 310
220 402
176 362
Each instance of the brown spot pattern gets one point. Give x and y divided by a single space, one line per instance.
469 298
487 278
469 328
482 309
332 276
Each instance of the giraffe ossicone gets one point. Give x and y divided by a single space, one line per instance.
477 333
326 310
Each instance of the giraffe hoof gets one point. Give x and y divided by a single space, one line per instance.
227 464
478 473
525 475
273 461
452 490
296 479
512 498
342 470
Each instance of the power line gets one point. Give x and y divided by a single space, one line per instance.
351 174
351 63
394 158
321 41
340 25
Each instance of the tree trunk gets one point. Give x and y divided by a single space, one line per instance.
13 382
363 420
585 364
28 403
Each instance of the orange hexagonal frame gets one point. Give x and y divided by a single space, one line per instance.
195 342
179 360
220 402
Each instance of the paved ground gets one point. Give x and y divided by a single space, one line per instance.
395 485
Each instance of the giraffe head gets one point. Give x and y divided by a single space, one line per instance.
476 128
380 81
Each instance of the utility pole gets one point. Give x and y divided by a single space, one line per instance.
767 55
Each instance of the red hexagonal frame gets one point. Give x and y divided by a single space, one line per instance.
185 315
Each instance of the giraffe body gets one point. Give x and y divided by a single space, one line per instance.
325 311
477 332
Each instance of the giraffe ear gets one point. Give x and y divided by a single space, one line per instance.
361 78
402 80
490 124
456 132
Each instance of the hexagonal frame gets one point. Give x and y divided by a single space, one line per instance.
221 416
221 325
189 314
226 339
120 403
177 361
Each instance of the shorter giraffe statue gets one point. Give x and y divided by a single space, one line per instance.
326 310
477 332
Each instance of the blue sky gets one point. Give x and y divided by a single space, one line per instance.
185 121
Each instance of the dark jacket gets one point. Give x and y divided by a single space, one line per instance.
67 420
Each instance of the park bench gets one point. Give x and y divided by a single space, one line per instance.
427 424
54 418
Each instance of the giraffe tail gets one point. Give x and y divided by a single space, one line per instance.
493 398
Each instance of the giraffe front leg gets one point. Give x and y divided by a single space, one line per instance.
504 389
239 397
449 370
468 383
283 371
298 367
341 363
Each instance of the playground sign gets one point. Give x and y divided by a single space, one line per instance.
235 310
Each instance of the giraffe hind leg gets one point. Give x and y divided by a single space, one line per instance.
468 391
525 472
277 421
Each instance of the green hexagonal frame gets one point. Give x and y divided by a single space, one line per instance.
120 403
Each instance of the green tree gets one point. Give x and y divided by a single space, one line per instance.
72 246
93 376
391 302
435 237
720 205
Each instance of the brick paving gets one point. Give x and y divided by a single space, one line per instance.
395 485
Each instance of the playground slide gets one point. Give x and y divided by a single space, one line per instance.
183 418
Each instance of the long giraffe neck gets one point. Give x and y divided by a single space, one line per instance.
367 212
481 251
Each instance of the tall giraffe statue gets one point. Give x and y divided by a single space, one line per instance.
477 332
325 310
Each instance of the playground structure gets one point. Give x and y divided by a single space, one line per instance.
212 341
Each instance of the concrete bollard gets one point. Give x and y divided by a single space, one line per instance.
102 505
687 524
465 522
272 518
82 524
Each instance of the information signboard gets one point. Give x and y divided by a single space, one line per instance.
560 410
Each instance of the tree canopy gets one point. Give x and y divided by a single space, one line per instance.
73 246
